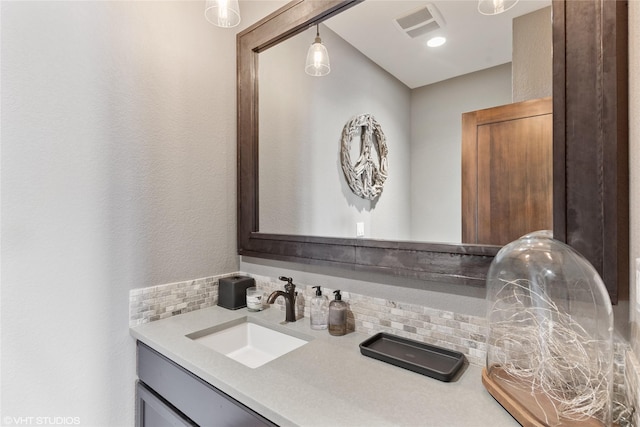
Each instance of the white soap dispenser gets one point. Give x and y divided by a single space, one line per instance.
319 310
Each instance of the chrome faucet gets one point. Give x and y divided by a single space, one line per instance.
289 295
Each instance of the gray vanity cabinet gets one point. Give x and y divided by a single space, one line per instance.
167 394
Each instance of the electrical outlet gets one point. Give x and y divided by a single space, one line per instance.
359 229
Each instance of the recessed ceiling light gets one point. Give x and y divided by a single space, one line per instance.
436 41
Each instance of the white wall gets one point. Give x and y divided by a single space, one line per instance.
302 186
436 134
118 171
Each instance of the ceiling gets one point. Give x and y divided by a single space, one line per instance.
474 41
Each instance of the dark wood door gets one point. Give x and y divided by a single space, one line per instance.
507 178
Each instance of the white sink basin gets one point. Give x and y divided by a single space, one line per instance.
247 342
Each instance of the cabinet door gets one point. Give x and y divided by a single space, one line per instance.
198 400
507 164
152 411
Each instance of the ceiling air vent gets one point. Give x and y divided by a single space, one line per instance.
421 21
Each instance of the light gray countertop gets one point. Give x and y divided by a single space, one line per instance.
326 382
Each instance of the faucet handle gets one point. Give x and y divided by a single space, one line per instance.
289 286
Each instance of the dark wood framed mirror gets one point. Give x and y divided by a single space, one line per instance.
590 155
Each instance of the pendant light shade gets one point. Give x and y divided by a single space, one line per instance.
222 13
494 7
317 63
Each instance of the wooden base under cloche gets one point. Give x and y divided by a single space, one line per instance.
528 410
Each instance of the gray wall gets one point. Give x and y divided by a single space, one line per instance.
118 171
436 134
532 55
302 186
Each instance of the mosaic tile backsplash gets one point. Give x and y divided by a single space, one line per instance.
160 302
368 315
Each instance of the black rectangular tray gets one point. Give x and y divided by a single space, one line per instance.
425 359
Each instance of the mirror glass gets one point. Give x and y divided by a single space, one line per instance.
415 92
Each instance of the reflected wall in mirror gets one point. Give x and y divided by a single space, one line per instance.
417 93
590 168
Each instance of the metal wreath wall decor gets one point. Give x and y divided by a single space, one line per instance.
366 178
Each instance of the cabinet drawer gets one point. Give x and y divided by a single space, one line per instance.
197 399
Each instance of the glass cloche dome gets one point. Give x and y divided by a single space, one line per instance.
549 343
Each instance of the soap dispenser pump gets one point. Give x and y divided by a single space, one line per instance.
319 310
337 315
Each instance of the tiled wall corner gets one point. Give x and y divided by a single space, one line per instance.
619 385
632 380
162 301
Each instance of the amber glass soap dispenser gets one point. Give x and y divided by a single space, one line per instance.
337 315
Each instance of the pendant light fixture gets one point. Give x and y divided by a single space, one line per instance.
317 63
495 7
222 13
